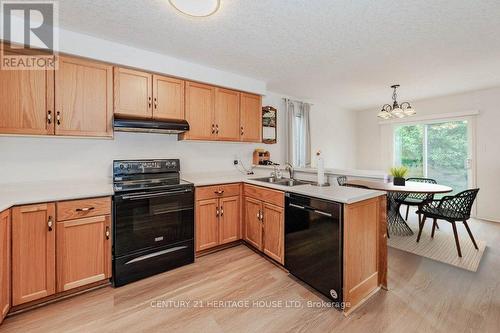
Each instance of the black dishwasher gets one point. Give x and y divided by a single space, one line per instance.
313 243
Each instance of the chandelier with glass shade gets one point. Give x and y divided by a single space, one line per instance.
396 110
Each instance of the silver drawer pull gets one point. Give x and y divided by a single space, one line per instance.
156 254
323 213
86 209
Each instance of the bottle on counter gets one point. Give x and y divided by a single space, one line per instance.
321 168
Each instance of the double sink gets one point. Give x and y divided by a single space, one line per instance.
283 181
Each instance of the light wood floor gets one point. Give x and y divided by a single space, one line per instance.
424 296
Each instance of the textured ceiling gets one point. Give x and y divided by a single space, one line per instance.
347 50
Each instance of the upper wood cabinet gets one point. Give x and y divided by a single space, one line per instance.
200 107
83 98
251 118
5 266
33 252
27 101
133 93
83 251
168 98
227 114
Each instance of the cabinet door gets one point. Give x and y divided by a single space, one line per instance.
227 114
200 103
251 118
229 222
274 232
253 224
84 98
207 228
33 252
168 98
83 251
133 93
26 101
4 264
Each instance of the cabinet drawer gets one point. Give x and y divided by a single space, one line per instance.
217 191
264 194
74 209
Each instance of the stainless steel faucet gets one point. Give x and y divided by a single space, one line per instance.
289 167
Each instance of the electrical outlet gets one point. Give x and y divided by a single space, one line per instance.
235 162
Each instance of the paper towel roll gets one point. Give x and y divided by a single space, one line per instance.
321 170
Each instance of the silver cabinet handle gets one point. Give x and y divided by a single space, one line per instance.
86 209
221 211
50 223
58 118
49 117
107 233
217 211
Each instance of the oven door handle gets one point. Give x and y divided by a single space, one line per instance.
153 195
155 254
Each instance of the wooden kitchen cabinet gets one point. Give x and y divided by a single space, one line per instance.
200 108
253 224
207 217
274 232
251 118
27 101
133 93
229 219
83 251
168 98
83 98
33 252
217 215
264 220
227 115
5 264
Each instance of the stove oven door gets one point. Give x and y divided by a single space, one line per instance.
148 220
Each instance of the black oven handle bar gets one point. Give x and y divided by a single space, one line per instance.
153 195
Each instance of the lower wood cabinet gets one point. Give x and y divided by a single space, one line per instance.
5 266
264 220
33 252
83 251
55 250
217 215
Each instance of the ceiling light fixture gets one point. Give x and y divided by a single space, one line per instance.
395 110
197 8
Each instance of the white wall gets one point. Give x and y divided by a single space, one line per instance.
372 153
333 132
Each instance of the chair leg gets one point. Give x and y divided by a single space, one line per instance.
470 234
420 228
407 211
433 228
453 224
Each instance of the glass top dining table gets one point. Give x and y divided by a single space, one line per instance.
396 224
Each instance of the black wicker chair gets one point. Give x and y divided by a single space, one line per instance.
342 180
453 209
417 199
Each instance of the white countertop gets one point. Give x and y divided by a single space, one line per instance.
12 194
36 192
334 192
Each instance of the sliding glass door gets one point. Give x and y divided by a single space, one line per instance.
437 150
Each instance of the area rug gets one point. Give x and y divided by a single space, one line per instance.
442 247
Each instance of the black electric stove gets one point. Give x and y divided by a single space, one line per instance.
153 219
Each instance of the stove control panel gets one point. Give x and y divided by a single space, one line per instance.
127 167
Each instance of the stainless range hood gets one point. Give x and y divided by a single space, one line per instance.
172 126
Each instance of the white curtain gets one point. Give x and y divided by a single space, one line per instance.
298 133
